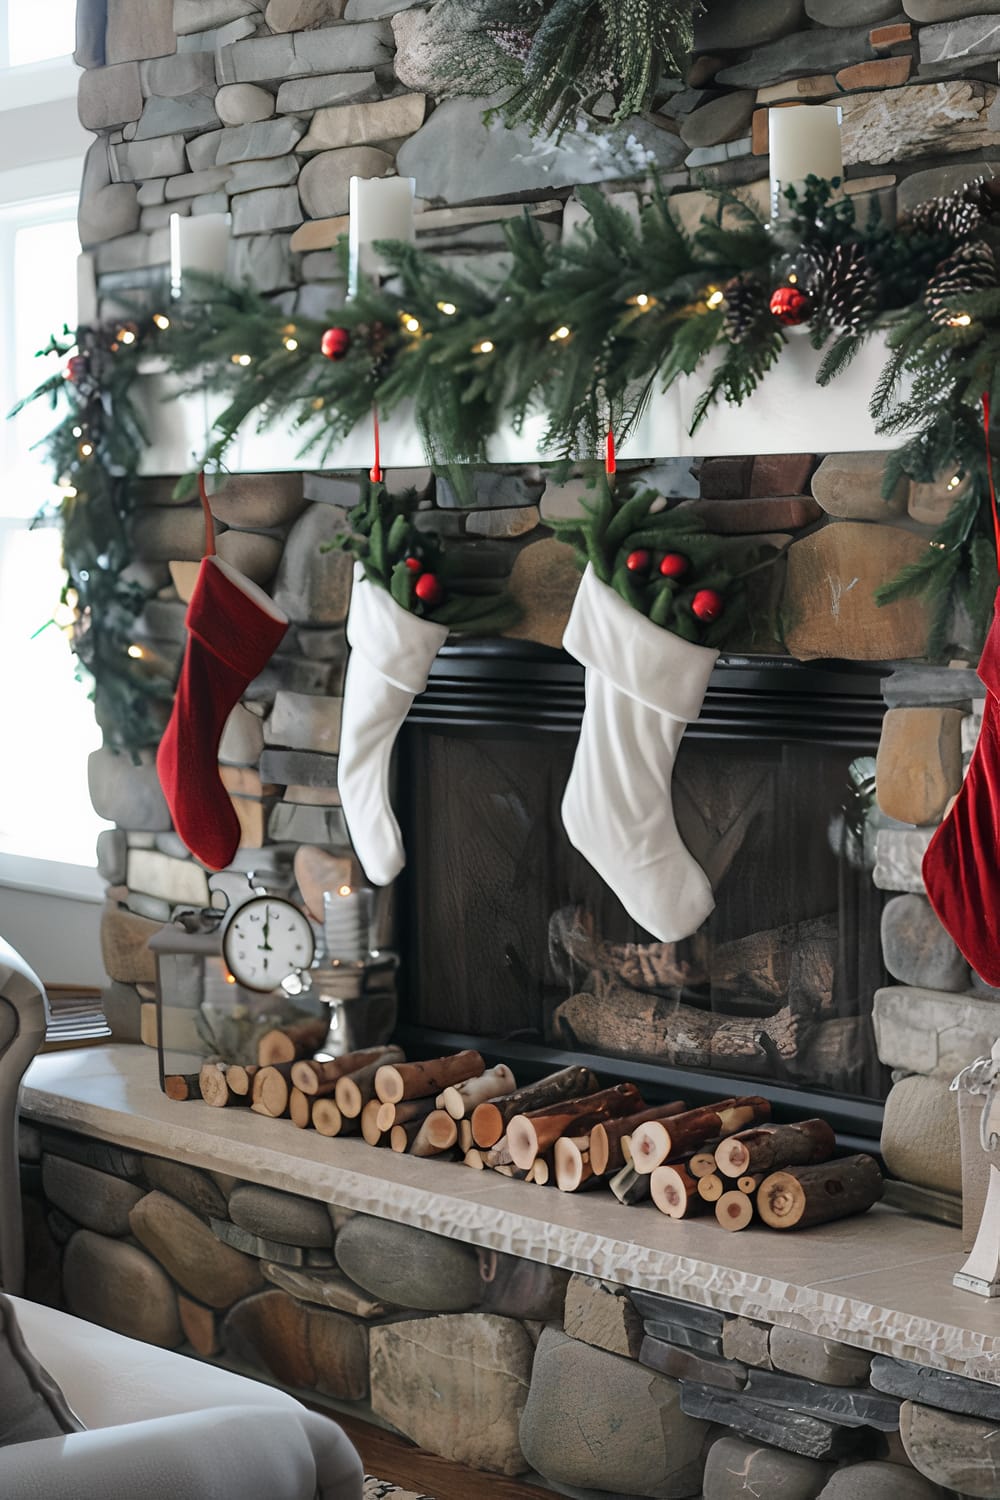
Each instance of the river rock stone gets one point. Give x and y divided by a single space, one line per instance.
455 1385
296 15
248 552
849 486
280 1216
124 950
187 1184
299 768
109 96
304 721
91 26
920 1135
334 49
168 117
263 138
95 1200
316 871
736 1469
600 1313
204 15
851 12
177 881
654 1308
970 36
273 171
961 1453
113 1284
211 1272
127 794
324 181
597 1421
815 1358
524 1289
139 28
689 1364
544 581
916 948
899 855
746 23
314 587
746 1340
365 124
722 119
925 1031
894 125
301 95
294 823
875 1481
258 501
412 1267
416 61
242 738
455 156
301 1346
829 604
107 209
262 259
822 50
165 533
919 764
327 1289
243 103
939 1388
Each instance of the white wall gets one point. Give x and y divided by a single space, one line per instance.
58 935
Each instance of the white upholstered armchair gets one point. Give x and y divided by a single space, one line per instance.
136 1420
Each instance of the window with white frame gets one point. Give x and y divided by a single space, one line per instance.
46 820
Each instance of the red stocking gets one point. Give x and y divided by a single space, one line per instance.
234 628
962 865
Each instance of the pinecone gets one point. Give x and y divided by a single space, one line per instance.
746 304
955 217
850 294
971 268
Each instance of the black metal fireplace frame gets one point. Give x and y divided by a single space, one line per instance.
524 689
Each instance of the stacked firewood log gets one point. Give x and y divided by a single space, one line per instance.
725 1158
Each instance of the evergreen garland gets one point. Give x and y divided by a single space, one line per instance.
552 61
397 555
583 330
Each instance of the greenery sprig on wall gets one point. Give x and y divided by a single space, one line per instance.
584 331
551 61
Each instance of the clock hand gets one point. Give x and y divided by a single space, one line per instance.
265 946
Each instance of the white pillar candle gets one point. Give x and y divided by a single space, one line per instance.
804 142
199 243
381 209
86 291
347 915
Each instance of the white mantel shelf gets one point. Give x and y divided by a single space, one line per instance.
881 1281
789 413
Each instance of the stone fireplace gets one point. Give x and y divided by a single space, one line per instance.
822 980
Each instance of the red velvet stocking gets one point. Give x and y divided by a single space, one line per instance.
233 630
962 865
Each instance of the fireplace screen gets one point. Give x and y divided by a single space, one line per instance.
510 934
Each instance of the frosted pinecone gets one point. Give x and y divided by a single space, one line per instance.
971 268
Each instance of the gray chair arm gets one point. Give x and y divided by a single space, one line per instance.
24 993
227 1453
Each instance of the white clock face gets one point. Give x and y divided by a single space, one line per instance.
265 941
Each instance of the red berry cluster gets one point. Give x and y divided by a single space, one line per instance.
428 587
707 604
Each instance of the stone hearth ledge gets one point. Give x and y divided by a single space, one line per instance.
881 1281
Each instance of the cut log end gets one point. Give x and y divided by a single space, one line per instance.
675 1192
650 1146
181 1086
370 1128
522 1139
710 1188
487 1125
213 1086
326 1117
801 1196
300 1109
734 1210
572 1163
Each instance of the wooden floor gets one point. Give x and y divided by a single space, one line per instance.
395 1459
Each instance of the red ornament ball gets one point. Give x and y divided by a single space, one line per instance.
428 589
790 305
335 343
674 565
639 561
76 368
414 564
708 605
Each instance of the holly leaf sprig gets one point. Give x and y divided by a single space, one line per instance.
663 562
424 576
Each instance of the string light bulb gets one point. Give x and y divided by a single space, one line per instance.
448 308
410 323
78 432
136 652
161 320
560 334
954 482
643 301
126 335
241 359
485 346
290 343
715 298
85 449
960 320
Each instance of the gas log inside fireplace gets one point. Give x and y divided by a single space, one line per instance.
511 938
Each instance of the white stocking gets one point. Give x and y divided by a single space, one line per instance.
644 686
391 655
